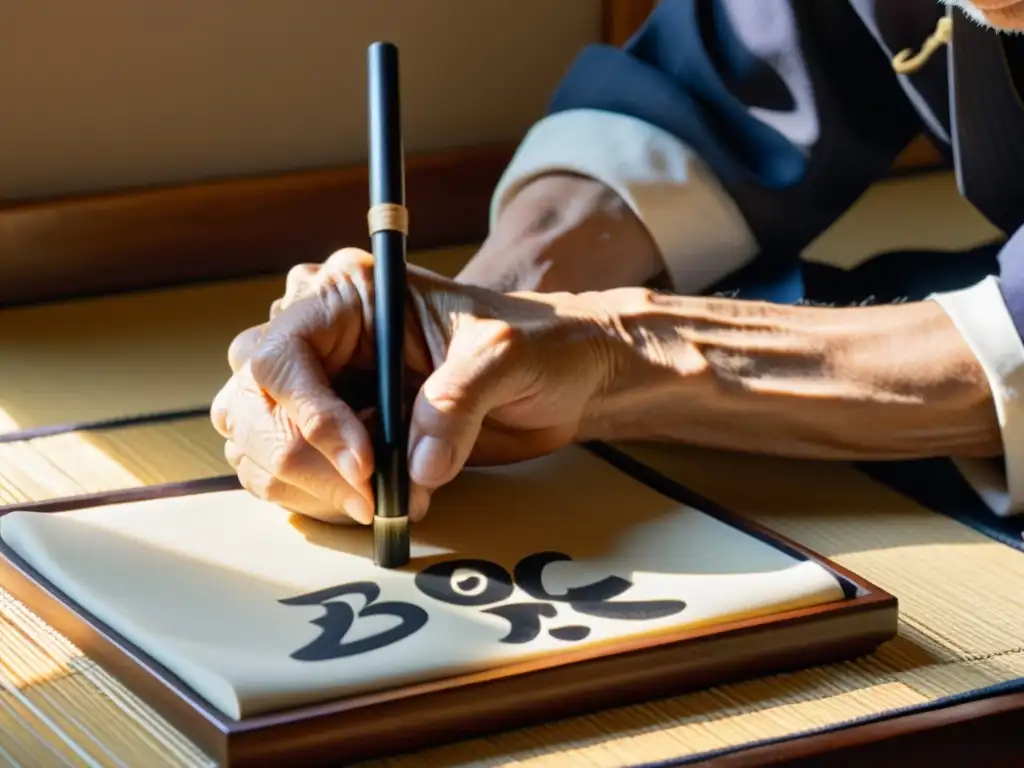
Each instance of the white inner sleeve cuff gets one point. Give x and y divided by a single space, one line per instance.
981 316
698 229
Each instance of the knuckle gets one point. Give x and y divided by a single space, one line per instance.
286 457
258 483
231 454
267 362
348 263
501 344
221 421
319 428
300 281
220 413
496 336
449 397
300 272
241 346
348 257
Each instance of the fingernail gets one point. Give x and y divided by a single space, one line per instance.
358 509
349 467
431 461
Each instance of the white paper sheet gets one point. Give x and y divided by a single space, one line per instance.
198 582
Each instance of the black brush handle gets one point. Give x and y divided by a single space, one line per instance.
387 185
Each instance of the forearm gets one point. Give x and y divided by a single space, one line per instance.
549 221
888 382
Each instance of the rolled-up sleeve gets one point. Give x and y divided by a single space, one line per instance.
697 227
990 317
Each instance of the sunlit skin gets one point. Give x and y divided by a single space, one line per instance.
512 376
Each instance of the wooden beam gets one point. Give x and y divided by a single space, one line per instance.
109 243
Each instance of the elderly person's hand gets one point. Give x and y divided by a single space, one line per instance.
504 378
507 377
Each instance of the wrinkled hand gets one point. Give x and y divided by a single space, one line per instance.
504 378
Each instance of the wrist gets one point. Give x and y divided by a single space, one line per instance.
643 362
564 232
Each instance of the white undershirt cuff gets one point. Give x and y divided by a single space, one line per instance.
981 316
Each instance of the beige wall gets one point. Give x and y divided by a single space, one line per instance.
105 94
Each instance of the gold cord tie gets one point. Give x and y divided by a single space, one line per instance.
388 217
904 63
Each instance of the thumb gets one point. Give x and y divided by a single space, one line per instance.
449 412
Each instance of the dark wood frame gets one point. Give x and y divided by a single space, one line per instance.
985 732
419 716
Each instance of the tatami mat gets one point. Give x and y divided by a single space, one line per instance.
961 594
118 356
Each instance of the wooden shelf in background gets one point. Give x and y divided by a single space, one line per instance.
151 238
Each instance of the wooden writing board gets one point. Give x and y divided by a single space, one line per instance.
567 584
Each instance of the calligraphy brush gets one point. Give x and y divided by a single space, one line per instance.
388 221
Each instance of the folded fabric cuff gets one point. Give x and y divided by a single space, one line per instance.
981 316
696 226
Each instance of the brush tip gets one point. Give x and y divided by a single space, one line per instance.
390 541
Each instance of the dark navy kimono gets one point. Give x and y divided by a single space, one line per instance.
739 130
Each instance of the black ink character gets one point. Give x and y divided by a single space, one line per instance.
591 599
478 583
339 617
524 620
465 582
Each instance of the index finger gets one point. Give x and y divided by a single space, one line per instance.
288 364
242 346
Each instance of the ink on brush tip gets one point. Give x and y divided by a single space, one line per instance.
390 541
